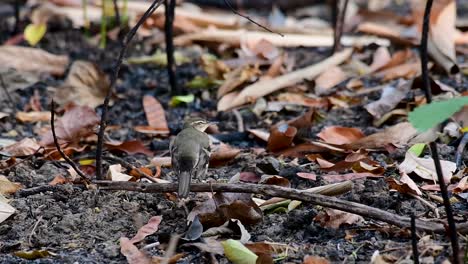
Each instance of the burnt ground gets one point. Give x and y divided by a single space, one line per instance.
84 226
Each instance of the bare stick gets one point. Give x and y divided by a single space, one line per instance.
452 231
117 14
118 64
169 35
414 240
338 25
17 16
249 19
59 149
277 191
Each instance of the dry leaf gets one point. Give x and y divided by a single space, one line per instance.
265 87
77 123
32 60
425 168
305 175
340 135
8 187
132 253
129 147
332 178
155 114
328 79
59 179
399 134
407 71
161 161
281 137
263 135
86 84
315 260
381 58
405 185
462 185
25 147
115 173
238 77
35 116
262 48
335 218
390 98
6 210
150 228
222 153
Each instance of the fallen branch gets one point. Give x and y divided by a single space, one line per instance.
276 191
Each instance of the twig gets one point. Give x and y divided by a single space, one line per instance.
17 16
228 4
338 26
59 149
452 231
277 191
240 121
169 37
433 207
460 149
114 76
39 219
117 14
5 89
414 240
22 161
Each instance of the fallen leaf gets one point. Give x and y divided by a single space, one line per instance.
32 60
179 99
59 179
238 253
33 254
115 173
26 147
332 178
390 98
35 116
315 260
381 58
248 176
425 168
68 130
6 210
335 218
300 99
161 161
406 71
305 175
155 114
462 185
237 77
269 248
150 228
275 180
340 135
129 147
399 134
261 134
132 253
261 48
8 187
281 137
33 33
405 185
222 153
329 79
86 85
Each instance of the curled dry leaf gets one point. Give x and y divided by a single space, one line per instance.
129 147
35 116
132 253
281 137
405 185
6 210
275 180
462 185
150 228
69 130
222 153
329 79
237 77
86 84
335 218
115 173
425 168
338 135
25 147
32 60
390 98
155 115
381 58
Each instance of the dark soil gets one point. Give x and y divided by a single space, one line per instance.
84 226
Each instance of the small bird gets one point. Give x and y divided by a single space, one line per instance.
190 153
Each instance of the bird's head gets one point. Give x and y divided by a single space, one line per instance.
198 123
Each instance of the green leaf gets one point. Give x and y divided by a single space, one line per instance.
202 82
417 149
427 116
178 99
238 253
34 33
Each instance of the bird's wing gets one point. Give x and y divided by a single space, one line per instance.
174 160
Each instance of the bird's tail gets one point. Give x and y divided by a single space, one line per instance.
184 184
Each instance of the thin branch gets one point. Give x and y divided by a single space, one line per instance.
460 149
17 16
414 240
59 149
338 25
117 14
452 230
288 193
169 36
23 160
228 4
114 77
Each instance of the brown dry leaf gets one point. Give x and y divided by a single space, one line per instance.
150 228
399 134
224 206
35 116
358 161
263 135
405 185
338 135
425 168
237 77
305 175
25 147
155 114
8 187
315 260
381 58
332 178
163 162
59 179
397 33
300 99
390 98
86 84
281 137
129 147
265 87
261 48
335 218
132 253
32 60
268 248
462 185
275 180
329 79
77 123
222 153
248 176
407 71
398 58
